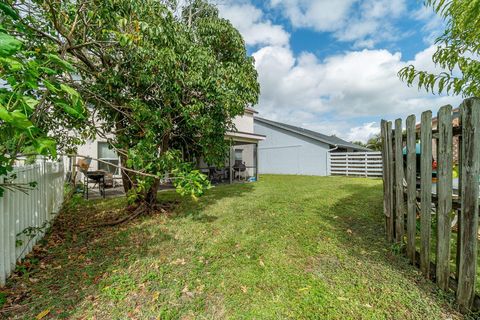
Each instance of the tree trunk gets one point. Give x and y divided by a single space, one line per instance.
127 177
151 196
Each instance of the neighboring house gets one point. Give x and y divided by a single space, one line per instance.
456 145
241 163
293 150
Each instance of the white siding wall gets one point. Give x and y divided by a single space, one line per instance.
244 123
285 152
90 149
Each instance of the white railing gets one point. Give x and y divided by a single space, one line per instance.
365 164
24 217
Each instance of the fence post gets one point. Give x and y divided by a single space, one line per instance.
444 195
3 231
388 178
426 191
366 164
459 190
469 217
347 163
411 178
383 134
399 207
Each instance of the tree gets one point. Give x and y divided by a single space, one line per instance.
359 143
166 86
38 109
457 52
375 142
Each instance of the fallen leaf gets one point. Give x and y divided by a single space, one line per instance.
156 294
186 292
42 314
178 261
244 289
262 264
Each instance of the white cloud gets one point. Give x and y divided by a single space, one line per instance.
364 23
330 95
254 28
321 15
346 94
363 132
433 23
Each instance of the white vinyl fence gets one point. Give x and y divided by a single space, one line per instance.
24 217
364 164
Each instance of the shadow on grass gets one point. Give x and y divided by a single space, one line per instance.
365 235
198 209
73 264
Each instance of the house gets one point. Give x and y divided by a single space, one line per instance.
293 150
456 142
241 163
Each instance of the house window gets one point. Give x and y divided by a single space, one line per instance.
238 155
108 155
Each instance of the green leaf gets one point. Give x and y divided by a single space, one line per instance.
72 92
13 64
8 10
8 45
50 86
48 71
71 111
5 115
30 102
60 62
20 120
46 146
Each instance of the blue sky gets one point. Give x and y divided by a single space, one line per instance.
332 66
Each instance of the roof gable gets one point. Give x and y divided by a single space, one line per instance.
332 140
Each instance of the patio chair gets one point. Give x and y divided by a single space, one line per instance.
215 175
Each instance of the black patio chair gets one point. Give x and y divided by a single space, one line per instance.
215 175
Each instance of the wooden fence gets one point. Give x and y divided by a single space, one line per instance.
364 164
24 217
441 201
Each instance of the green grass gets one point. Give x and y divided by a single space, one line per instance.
287 247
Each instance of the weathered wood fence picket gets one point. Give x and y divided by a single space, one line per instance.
25 216
409 193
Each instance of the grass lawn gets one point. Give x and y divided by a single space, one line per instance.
287 247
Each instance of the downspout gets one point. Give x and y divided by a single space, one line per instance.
327 155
